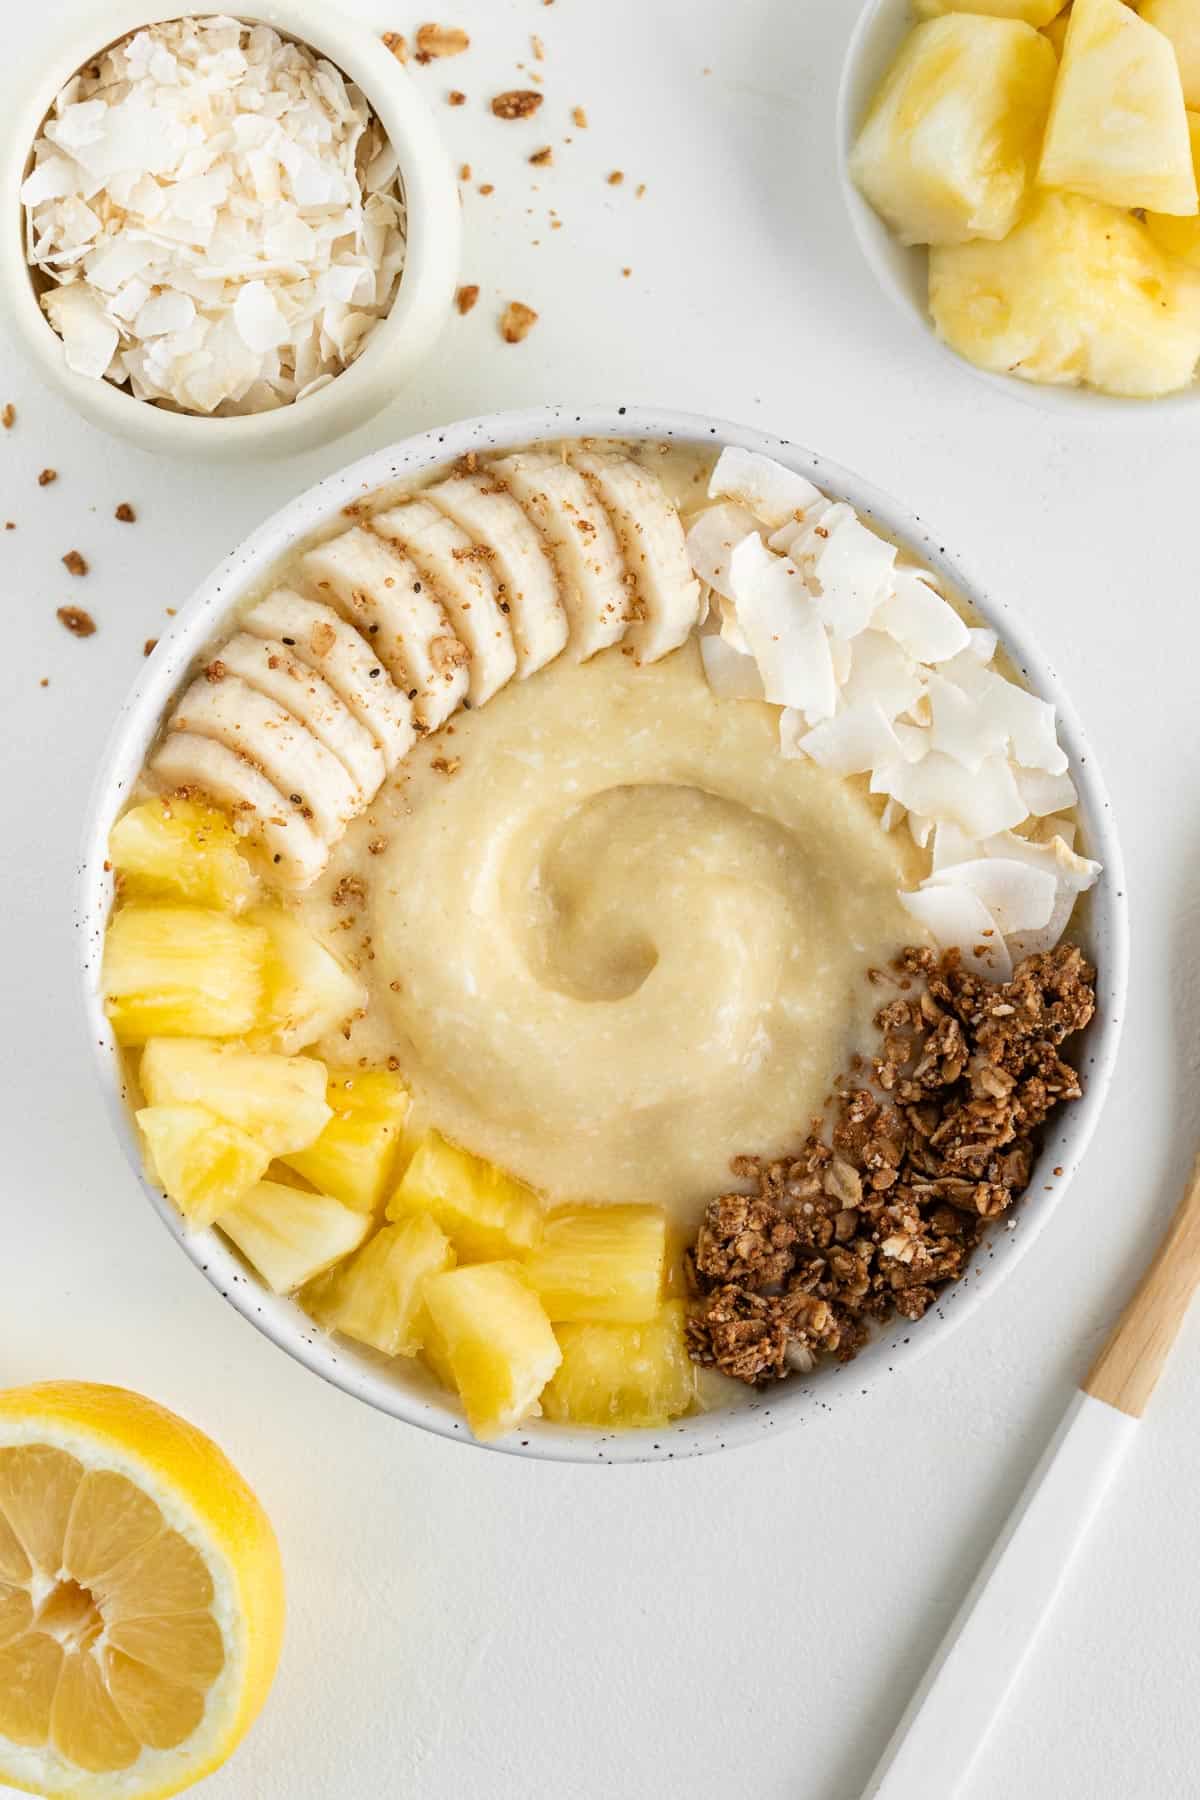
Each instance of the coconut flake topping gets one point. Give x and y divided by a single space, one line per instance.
877 674
220 215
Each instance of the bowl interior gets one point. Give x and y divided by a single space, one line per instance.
902 272
400 1388
396 344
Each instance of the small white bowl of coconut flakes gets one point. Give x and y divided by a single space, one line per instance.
228 235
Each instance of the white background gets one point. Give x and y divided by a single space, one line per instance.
471 1627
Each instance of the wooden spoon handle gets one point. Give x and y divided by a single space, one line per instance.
1126 1370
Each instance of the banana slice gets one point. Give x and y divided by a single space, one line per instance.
389 600
591 570
524 574
186 763
458 572
229 710
648 527
321 638
268 665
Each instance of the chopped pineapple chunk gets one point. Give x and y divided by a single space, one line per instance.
355 1155
1180 21
497 1339
1079 292
204 1163
179 850
1117 130
290 1235
484 1212
1033 12
278 1100
950 143
434 1352
307 990
1176 237
181 971
621 1376
378 1296
601 1262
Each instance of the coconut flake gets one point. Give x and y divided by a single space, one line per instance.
1019 896
850 743
783 630
1044 794
981 803
730 674
957 919
768 490
920 619
89 338
712 541
882 672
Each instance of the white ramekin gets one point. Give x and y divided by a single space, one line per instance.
398 344
400 1387
903 273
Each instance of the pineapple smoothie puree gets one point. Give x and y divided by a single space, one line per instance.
616 938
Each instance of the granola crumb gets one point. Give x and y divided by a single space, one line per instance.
350 889
74 563
8 415
47 476
446 765
215 671
45 681
377 846
543 157
627 272
466 297
10 524
79 623
517 321
616 178
517 103
888 1199
441 40
539 49
579 117
397 43
464 174
639 190
456 97
125 513
150 645
486 187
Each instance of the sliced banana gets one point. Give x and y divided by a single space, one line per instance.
308 775
341 654
525 577
591 569
648 527
268 665
386 596
186 763
458 571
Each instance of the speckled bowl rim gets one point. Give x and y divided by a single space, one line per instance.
757 1414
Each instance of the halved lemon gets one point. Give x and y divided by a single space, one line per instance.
141 1596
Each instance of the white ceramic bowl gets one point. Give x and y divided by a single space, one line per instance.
903 273
401 1388
398 344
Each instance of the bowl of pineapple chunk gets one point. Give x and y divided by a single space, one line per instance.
1021 176
445 923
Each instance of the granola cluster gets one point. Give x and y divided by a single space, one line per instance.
888 1197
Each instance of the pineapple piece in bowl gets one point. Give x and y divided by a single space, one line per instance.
290 1235
356 1153
1078 292
1179 20
949 145
204 1164
485 1213
277 1100
307 991
601 1262
378 1297
623 1376
180 850
1117 130
1174 236
496 1340
182 971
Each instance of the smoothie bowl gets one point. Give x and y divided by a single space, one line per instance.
599 935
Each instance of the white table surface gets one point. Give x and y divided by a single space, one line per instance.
472 1627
